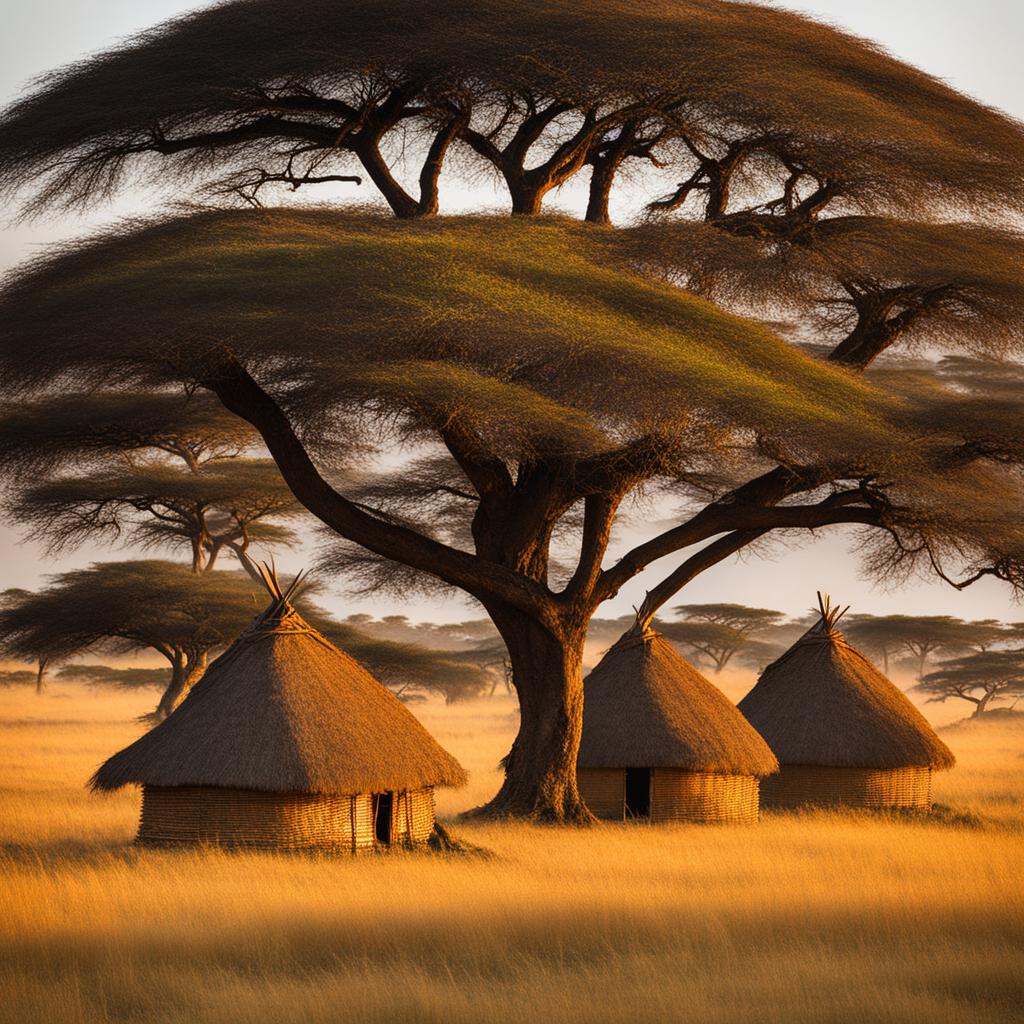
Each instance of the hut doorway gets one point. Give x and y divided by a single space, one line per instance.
383 806
638 792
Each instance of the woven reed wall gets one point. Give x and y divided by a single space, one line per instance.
676 795
807 786
412 816
245 818
603 791
704 798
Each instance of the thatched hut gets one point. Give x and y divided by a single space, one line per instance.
843 733
286 743
661 743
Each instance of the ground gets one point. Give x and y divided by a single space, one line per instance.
804 919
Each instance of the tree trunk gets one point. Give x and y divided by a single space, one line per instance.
540 769
527 200
600 191
41 675
186 671
983 705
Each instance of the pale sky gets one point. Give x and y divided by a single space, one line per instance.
972 44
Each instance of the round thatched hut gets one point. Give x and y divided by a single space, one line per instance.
843 733
661 743
286 743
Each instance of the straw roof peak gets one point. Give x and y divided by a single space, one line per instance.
823 703
646 707
830 613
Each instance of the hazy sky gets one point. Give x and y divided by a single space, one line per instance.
973 44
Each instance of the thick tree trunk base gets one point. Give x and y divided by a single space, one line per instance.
502 810
564 807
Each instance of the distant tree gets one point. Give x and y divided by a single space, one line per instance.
19 640
399 665
121 678
877 635
17 677
719 631
982 635
982 679
920 636
139 605
149 468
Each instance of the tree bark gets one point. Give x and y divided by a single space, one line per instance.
540 769
983 704
186 671
41 675
526 200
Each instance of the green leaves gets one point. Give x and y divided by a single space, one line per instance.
534 330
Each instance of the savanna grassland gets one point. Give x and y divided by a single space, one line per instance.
807 918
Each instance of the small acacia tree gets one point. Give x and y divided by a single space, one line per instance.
139 605
982 679
403 666
154 470
719 631
19 640
920 636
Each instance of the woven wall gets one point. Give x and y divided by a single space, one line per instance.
603 791
804 786
676 795
705 798
244 818
412 816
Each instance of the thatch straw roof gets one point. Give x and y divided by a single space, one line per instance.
283 710
645 707
823 703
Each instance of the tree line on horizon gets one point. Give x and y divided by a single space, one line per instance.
979 661
811 322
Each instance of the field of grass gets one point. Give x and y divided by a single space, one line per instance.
805 919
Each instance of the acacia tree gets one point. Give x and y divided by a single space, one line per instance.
19 640
791 146
403 666
875 634
719 631
981 678
721 97
137 605
185 617
490 344
153 469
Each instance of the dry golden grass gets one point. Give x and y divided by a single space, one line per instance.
807 918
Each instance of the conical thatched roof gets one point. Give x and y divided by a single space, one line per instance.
283 710
823 703
645 707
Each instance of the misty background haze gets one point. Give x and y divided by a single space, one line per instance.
972 45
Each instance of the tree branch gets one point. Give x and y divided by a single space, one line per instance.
241 394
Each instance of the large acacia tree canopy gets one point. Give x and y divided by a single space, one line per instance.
254 79
531 330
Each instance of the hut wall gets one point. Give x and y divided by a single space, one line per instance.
603 791
807 786
412 816
679 795
245 818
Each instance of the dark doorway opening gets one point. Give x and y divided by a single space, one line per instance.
382 807
638 792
